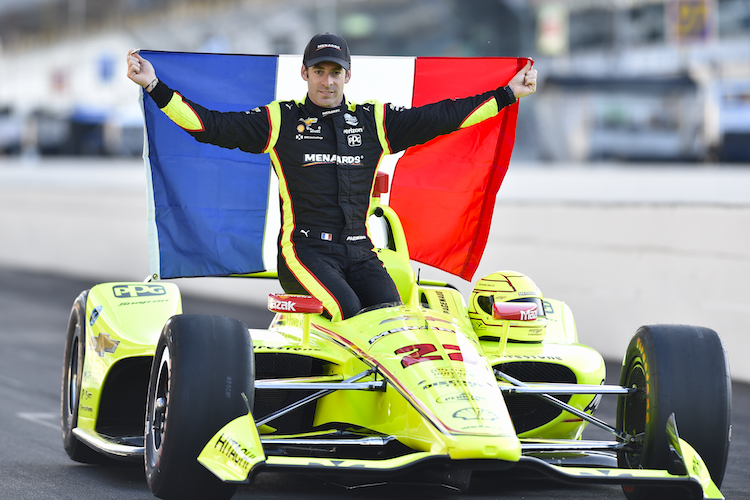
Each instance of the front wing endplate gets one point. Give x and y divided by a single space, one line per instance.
234 452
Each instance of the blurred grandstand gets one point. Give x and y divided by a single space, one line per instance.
623 79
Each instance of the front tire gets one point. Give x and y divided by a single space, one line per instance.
72 377
202 366
682 370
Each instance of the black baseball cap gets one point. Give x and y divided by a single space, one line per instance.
327 47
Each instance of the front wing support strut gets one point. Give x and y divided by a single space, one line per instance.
570 409
313 397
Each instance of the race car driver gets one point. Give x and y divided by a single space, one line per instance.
325 152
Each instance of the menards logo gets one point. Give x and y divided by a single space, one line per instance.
529 315
322 159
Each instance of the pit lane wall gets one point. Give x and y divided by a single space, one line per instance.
623 245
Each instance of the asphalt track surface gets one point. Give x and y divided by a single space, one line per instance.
34 310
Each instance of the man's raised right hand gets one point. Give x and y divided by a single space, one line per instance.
139 69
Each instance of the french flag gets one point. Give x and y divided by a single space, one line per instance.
214 211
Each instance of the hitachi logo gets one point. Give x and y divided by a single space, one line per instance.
313 158
234 451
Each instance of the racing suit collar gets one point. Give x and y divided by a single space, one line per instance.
321 112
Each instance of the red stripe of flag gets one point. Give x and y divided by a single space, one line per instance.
444 191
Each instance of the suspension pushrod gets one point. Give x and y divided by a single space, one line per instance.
310 398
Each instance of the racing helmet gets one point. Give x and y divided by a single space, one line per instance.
506 286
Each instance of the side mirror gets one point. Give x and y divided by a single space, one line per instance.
304 304
381 184
283 303
513 311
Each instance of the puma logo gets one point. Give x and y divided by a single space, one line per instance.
306 232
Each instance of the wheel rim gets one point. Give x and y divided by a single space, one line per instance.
73 388
158 411
635 416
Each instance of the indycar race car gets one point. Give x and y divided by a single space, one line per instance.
431 390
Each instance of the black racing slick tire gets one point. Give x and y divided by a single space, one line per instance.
202 366
75 351
682 370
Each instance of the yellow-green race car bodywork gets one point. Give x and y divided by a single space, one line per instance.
407 390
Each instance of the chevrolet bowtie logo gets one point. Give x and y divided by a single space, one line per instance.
102 344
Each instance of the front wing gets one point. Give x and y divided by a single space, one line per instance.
235 454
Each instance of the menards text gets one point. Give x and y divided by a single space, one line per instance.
332 158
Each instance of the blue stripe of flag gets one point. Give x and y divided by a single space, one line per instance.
209 202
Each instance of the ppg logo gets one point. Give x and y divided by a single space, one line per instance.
130 291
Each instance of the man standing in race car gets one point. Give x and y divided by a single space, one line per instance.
325 152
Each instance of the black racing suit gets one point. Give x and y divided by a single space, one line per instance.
326 160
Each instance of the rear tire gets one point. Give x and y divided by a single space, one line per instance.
72 376
201 367
682 370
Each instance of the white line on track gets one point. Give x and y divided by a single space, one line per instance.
42 419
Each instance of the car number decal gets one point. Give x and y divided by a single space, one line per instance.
417 353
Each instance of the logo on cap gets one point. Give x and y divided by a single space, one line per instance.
328 46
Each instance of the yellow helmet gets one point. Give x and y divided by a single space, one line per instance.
506 286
